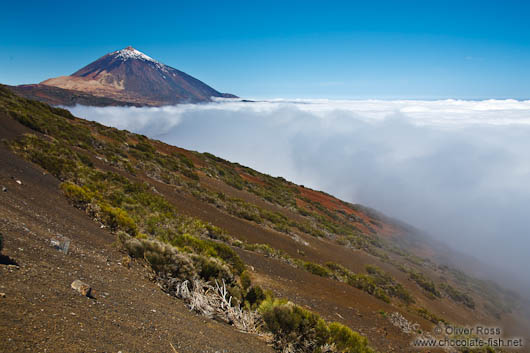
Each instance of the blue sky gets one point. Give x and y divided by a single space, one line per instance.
289 49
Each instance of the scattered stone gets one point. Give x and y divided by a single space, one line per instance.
61 243
18 182
4 189
82 288
13 267
2 295
402 323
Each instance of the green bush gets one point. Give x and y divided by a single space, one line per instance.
163 258
300 330
145 147
255 296
211 269
427 284
458 296
245 280
190 174
398 291
346 340
208 248
186 161
369 285
427 315
78 195
85 159
294 326
117 219
228 255
264 249
316 269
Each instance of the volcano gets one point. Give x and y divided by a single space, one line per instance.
128 77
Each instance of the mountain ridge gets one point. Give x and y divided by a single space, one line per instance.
124 77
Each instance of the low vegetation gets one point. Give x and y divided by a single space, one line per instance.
425 283
108 173
427 315
458 296
296 329
375 282
188 257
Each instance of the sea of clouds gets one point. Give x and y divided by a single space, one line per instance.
458 169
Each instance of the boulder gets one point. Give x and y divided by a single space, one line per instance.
61 243
82 288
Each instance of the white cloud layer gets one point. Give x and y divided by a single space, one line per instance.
459 169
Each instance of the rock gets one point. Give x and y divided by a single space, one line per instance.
2 295
18 182
61 243
4 189
82 288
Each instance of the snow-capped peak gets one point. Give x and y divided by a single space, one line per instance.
131 53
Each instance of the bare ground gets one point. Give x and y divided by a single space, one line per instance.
41 313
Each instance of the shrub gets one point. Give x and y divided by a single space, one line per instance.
236 293
264 249
427 284
78 195
117 219
458 296
294 326
255 296
145 147
163 258
316 269
340 272
190 174
53 161
398 291
209 248
368 284
227 254
85 159
186 161
427 315
245 280
300 330
211 269
135 248
346 340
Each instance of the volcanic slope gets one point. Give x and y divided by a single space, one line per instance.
118 195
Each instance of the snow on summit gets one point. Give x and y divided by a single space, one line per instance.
131 53
128 75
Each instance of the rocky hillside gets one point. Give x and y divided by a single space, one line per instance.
177 245
123 77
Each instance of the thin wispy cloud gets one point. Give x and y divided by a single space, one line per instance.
458 169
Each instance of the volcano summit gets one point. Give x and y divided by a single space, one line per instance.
123 77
